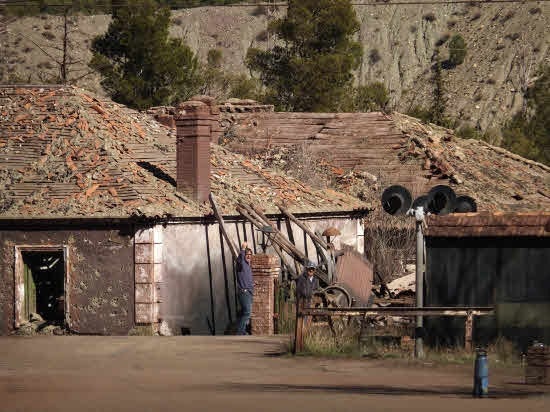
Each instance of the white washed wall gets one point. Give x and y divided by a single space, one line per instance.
186 291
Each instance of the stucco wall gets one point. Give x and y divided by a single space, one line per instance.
204 301
101 280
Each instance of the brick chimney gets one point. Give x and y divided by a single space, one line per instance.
196 126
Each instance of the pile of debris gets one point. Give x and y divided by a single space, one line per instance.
497 178
38 326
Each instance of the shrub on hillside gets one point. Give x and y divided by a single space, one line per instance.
429 17
457 50
371 97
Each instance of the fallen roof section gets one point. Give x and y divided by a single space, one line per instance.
65 152
392 149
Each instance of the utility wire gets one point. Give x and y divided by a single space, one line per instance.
26 3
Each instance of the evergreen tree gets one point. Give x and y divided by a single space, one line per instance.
311 67
457 50
528 134
439 101
140 64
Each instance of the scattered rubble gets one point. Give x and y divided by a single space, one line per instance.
38 326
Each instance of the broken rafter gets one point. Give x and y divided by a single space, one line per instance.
256 216
302 226
276 246
321 246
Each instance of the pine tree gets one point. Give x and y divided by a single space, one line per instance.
457 50
141 66
311 67
439 101
528 134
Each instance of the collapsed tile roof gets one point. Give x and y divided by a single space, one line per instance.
397 149
67 153
490 224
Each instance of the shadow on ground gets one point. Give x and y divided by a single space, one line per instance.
462 392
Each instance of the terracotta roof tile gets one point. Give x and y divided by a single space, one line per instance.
489 224
64 152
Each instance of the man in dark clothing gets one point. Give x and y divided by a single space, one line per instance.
306 285
245 287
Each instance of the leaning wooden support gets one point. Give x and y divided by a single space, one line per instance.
323 249
257 218
219 217
304 227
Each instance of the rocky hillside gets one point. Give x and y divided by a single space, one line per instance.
505 42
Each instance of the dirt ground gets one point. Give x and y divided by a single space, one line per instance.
85 373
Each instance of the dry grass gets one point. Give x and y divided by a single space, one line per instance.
320 341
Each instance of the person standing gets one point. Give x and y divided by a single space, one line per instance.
306 285
245 287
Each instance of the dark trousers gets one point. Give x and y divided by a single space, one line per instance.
245 300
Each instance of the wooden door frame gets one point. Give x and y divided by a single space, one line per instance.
19 278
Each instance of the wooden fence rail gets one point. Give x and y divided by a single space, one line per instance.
469 312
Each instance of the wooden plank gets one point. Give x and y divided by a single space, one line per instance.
304 227
219 217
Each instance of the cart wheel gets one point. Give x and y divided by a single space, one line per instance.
337 297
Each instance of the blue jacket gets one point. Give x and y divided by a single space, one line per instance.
244 273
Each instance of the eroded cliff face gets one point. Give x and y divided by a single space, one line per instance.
505 45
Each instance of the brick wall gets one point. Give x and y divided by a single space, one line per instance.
265 269
197 125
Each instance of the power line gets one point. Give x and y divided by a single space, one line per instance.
26 3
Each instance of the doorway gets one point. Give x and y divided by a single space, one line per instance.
44 285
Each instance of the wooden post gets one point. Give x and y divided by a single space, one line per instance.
299 330
469 329
234 250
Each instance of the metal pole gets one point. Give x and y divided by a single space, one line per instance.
419 344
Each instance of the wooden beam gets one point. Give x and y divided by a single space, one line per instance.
304 227
400 311
291 239
468 331
234 250
299 331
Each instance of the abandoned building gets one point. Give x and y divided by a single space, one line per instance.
104 215
474 260
490 259
105 222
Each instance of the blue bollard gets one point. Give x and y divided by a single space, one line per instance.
481 375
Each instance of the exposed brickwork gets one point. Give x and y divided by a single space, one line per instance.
265 269
148 275
489 224
197 126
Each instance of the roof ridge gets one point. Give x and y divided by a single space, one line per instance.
513 156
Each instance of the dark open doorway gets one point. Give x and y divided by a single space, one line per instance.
44 277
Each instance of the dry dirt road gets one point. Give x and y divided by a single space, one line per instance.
84 373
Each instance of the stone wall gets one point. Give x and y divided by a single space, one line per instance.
100 275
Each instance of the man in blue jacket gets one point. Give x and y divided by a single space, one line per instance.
245 287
